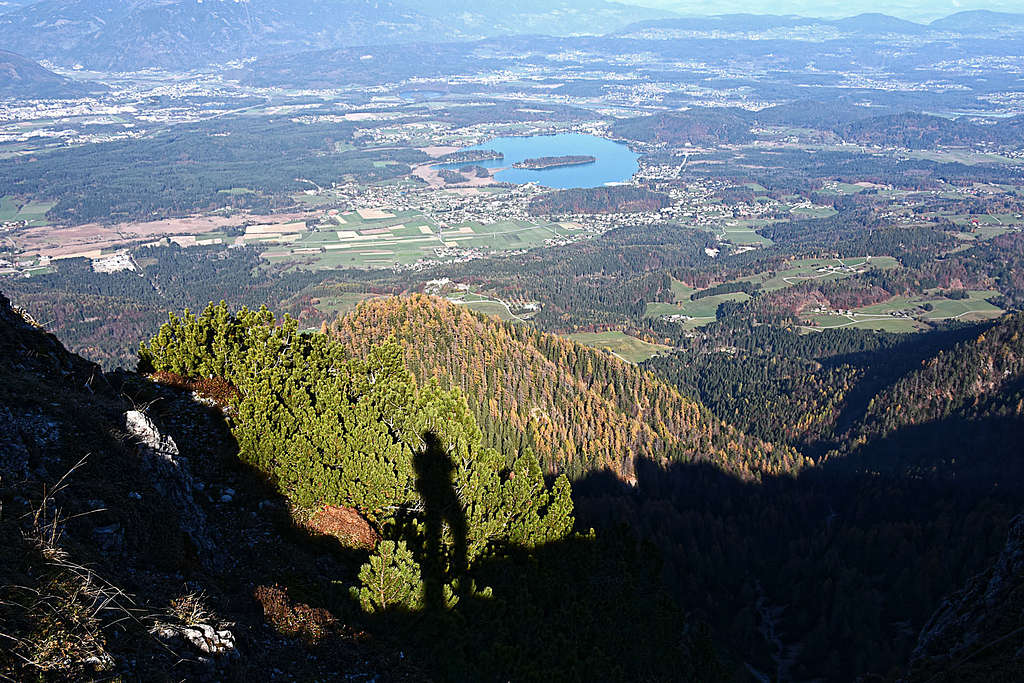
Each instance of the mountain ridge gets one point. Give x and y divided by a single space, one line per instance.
23 78
579 410
177 34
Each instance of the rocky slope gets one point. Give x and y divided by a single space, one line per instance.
136 546
977 634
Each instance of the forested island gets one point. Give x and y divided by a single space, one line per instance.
540 163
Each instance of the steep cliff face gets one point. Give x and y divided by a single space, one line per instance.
977 634
134 544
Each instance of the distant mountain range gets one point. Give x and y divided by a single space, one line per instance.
181 34
23 78
128 35
974 22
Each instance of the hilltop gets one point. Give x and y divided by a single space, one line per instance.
23 78
578 409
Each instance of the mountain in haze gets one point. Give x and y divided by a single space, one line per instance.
729 23
977 22
876 22
182 34
25 79
923 131
813 114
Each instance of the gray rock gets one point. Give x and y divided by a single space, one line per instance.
148 436
985 612
209 640
171 478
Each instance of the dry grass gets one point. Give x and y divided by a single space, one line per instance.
218 390
344 524
56 619
293 619
190 608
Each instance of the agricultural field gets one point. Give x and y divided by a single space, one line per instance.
335 305
700 311
682 291
377 238
742 232
33 212
491 306
828 269
909 314
975 307
826 321
620 344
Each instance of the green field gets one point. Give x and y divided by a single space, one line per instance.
975 306
348 240
703 309
34 212
681 290
742 232
483 304
908 314
814 212
824 270
341 303
491 308
817 322
622 345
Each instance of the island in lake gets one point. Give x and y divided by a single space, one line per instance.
468 156
553 162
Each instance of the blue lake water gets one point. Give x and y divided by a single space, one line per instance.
616 163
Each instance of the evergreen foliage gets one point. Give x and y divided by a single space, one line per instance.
335 430
390 579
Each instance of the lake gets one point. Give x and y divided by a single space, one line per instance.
616 163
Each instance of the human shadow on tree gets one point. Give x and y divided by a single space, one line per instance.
442 514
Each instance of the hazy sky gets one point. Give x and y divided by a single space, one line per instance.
917 10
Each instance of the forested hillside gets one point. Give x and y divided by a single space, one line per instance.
269 502
580 410
980 376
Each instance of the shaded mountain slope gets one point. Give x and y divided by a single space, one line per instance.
577 408
832 574
975 380
22 78
977 634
